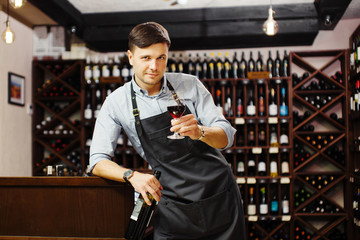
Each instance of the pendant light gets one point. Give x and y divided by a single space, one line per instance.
17 3
8 35
270 26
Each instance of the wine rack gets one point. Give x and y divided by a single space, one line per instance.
320 144
56 119
354 129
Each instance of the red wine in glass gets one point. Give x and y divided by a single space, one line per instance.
176 111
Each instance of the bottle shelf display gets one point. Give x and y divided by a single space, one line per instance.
277 140
354 129
319 82
56 118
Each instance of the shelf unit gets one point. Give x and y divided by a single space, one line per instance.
56 122
323 174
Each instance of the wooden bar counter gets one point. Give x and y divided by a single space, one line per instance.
57 207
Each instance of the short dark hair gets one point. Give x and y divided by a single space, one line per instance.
146 34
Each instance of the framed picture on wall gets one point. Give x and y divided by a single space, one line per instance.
16 86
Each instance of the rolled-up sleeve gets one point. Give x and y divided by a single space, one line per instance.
209 114
105 135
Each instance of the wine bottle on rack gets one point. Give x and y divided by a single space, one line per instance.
284 127
115 69
273 166
243 66
172 64
197 67
96 70
190 68
205 68
219 67
239 102
262 133
105 67
285 166
88 71
251 133
251 165
251 204
235 67
285 65
262 165
277 65
259 63
272 103
180 64
270 65
274 202
251 63
141 216
285 203
273 137
211 66
228 102
356 207
227 66
88 112
283 109
250 108
240 164
263 206
261 98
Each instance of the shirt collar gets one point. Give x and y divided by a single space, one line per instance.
143 92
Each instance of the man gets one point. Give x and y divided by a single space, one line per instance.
199 195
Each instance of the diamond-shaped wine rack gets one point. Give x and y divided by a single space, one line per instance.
56 119
319 135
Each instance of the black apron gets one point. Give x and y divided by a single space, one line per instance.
200 199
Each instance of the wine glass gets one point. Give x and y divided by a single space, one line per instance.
176 108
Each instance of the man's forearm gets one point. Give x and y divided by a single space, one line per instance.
215 137
109 170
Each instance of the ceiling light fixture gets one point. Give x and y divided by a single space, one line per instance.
270 26
8 35
17 3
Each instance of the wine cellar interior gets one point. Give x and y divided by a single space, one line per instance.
295 108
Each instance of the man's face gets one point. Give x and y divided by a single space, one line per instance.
149 66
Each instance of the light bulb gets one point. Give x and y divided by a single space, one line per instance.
17 3
270 26
8 35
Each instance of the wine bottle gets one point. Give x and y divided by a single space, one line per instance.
263 206
211 66
227 66
235 67
251 205
277 65
259 63
88 114
96 70
262 133
285 203
228 102
251 133
250 108
273 137
205 68
251 165
274 202
284 158
197 68
219 67
241 164
251 63
105 67
88 71
272 103
285 65
243 66
98 103
356 207
125 70
284 127
262 165
190 68
270 65
115 69
261 98
180 64
273 166
239 102
283 109
172 64
141 216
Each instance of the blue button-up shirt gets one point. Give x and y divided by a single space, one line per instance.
116 113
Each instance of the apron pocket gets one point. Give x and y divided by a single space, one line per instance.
167 149
200 218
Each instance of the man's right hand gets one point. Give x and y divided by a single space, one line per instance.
146 183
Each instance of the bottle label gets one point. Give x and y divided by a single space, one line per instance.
116 71
262 167
273 167
274 206
251 163
285 206
272 109
284 111
88 73
241 167
285 167
135 213
251 110
88 114
263 208
284 139
105 71
251 209
125 72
